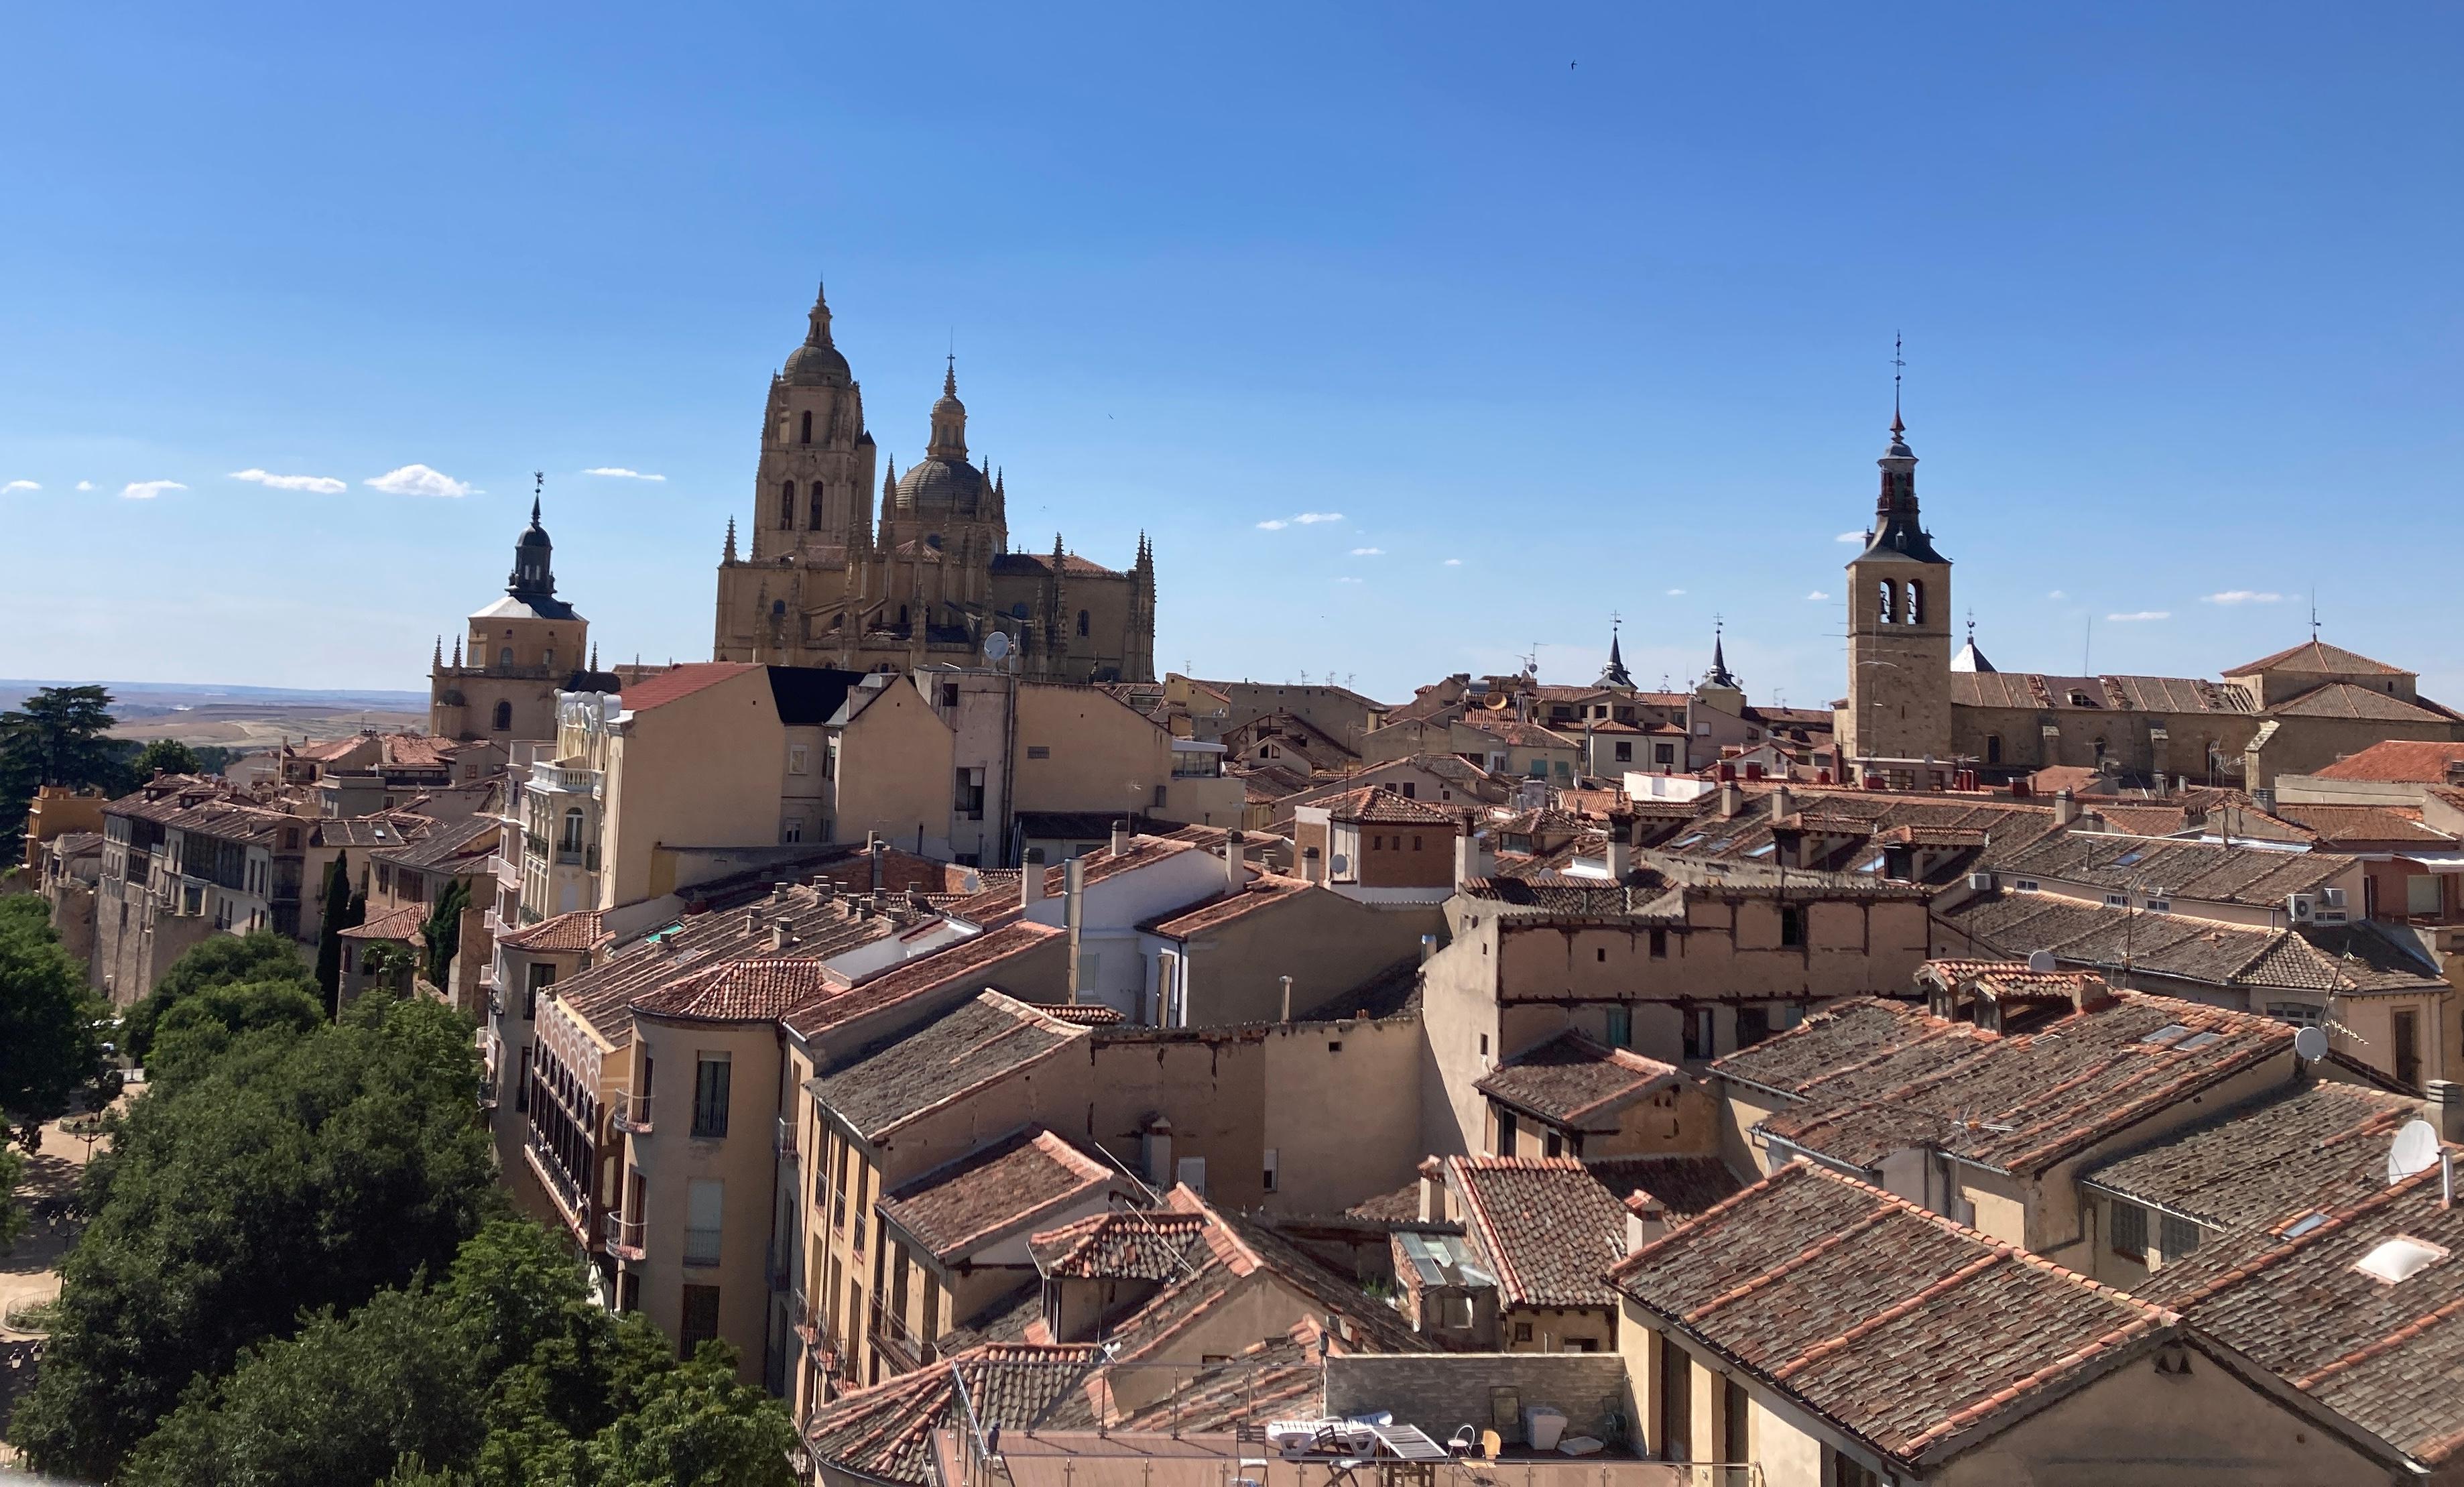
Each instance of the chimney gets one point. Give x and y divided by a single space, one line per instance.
2065 807
1156 1138
782 934
778 890
1646 1218
2089 992
1428 947
1120 839
1073 915
752 921
1620 857
1030 879
1236 855
1783 800
1311 868
1732 799
2445 1108
1432 1190
1288 997
877 850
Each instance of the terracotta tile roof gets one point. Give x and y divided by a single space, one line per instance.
2252 877
1563 894
1865 1079
1037 563
2318 659
402 925
2349 958
1546 1226
578 930
2314 1145
1125 1246
376 831
750 990
980 958
2385 1355
1686 1184
458 847
2399 761
2349 699
924 1069
885 1433
996 906
1908 1331
2036 692
1521 735
1402 1205
1279 1377
1263 892
680 681
957 1208
1383 805
1570 1080
2336 825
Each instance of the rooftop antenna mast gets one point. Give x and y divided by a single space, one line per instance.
2313 612
1899 365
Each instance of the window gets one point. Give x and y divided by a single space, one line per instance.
2176 1236
1270 1169
788 504
1676 1393
1992 748
2302 1014
1553 1145
804 431
2408 1047
1698 1032
1624 752
700 1323
967 795
1621 1029
1081 622
571 838
813 504
2117 900
504 719
2159 905
2025 885
1915 603
1410 791
539 977
1792 925
1847 1471
799 759
1522 1331
1883 595
792 829
948 694
2127 1231
1663 754
1504 1133
709 1096
1734 1413
505 657
1659 944
522 1087
705 1211
1038 751
1753 1025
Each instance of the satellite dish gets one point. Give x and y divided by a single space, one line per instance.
996 646
2416 1150
2040 962
2310 1045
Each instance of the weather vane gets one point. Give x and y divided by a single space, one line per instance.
1898 364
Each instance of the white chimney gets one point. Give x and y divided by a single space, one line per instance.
1783 801
1236 855
1620 857
1646 1219
1120 839
2065 807
1428 947
1288 997
1157 1140
1030 879
1732 799
1312 869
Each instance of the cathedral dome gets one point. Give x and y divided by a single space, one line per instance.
817 365
940 484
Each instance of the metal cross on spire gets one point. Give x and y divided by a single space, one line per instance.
1899 365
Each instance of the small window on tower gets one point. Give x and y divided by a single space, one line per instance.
1885 592
1916 602
1081 622
804 435
788 504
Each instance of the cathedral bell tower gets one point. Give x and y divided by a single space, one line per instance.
1899 635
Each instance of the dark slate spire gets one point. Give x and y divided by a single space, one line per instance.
1615 674
1720 675
1898 530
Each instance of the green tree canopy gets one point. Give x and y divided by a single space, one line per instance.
442 932
297 1172
165 756
200 1029
56 738
259 957
51 1042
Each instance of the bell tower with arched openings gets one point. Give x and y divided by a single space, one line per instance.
1899 632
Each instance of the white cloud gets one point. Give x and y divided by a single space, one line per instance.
2241 596
622 474
1272 526
2058 594
85 485
2140 614
147 490
418 481
18 485
1368 552
1346 580
1818 594
1313 518
1454 563
322 484
1849 537
1674 592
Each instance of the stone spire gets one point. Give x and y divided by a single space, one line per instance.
439 659
594 655
818 317
457 652
949 420
728 556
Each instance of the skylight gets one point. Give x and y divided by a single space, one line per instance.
2128 857
2167 1034
2398 1259
1690 841
2191 1045
2305 1223
1763 851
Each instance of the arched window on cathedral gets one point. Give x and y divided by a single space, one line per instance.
788 504
1915 603
804 435
1883 595
1992 748
547 657
815 520
902 616
1081 622
505 657
504 717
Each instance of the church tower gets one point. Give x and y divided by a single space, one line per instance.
522 649
1899 630
816 480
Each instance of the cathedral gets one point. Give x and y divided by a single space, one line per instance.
825 580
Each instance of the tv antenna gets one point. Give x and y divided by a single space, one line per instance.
2416 1150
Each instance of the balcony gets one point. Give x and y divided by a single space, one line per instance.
562 1190
893 1338
630 1113
623 1238
704 1246
556 780
784 1140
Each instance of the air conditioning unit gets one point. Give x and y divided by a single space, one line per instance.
2301 907
1980 882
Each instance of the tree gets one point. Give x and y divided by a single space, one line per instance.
56 738
260 956
50 1040
442 932
387 965
165 756
329 933
299 1171
697 1426
199 1029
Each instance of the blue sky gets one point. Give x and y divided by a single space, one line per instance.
2178 285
